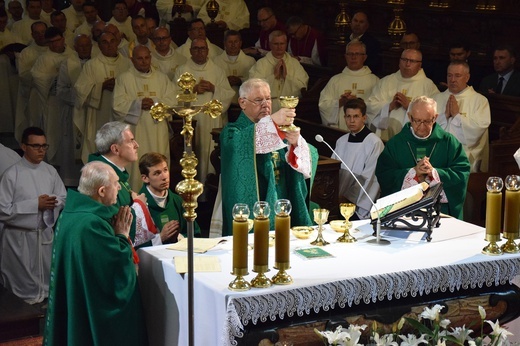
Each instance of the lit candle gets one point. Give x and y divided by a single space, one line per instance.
282 226
512 207
494 205
261 234
240 235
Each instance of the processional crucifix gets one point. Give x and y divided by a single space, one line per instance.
189 189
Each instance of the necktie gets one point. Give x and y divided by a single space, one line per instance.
500 84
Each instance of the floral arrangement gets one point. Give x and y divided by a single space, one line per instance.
429 330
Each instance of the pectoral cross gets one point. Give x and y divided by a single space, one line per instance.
146 92
276 160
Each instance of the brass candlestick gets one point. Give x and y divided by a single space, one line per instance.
494 186
261 212
347 210
320 217
239 284
289 102
511 214
282 225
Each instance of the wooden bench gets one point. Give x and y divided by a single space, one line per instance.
17 318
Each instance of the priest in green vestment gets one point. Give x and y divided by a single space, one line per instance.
165 206
261 163
424 152
94 295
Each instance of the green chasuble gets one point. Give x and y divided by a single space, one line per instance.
446 156
94 296
124 196
173 211
247 177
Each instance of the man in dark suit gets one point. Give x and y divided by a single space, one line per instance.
505 80
359 26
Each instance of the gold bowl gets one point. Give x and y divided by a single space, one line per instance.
302 232
338 225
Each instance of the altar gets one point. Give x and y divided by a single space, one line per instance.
359 277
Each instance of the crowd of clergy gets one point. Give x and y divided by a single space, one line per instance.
77 89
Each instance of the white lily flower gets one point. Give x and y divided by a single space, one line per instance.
444 323
431 314
441 342
354 332
385 340
482 312
498 331
411 340
461 333
472 343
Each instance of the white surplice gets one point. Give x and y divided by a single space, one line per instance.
237 66
168 63
74 18
26 240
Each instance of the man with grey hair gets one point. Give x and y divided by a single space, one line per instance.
117 147
424 152
355 81
86 279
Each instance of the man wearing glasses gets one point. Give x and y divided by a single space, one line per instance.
197 29
268 23
386 107
165 56
355 81
305 42
424 152
261 163
32 197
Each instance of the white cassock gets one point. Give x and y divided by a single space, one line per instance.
26 241
8 157
470 126
69 38
237 66
26 110
359 83
360 154
70 151
233 12
297 77
168 63
213 50
93 104
84 29
388 124
204 144
74 18
46 17
45 75
22 29
131 87
124 28
164 7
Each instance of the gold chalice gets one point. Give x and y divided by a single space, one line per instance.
289 102
320 217
347 210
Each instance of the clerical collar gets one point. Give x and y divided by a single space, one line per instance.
232 57
122 169
160 200
360 136
421 138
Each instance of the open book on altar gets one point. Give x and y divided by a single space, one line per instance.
398 200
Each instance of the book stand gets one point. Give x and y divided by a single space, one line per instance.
421 216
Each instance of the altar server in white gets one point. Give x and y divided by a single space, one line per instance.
137 90
360 150
387 105
94 91
211 84
356 80
285 75
32 197
465 113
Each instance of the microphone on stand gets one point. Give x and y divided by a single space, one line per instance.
378 240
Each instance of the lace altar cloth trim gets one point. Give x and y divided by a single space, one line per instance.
252 309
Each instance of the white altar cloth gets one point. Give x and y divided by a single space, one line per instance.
358 273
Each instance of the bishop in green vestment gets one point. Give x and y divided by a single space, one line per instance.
94 295
261 163
424 152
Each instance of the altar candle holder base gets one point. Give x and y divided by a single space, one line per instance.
346 237
282 278
239 284
260 280
320 241
492 248
510 246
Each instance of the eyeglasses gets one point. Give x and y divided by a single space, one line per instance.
260 21
421 122
411 61
259 102
38 146
354 54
